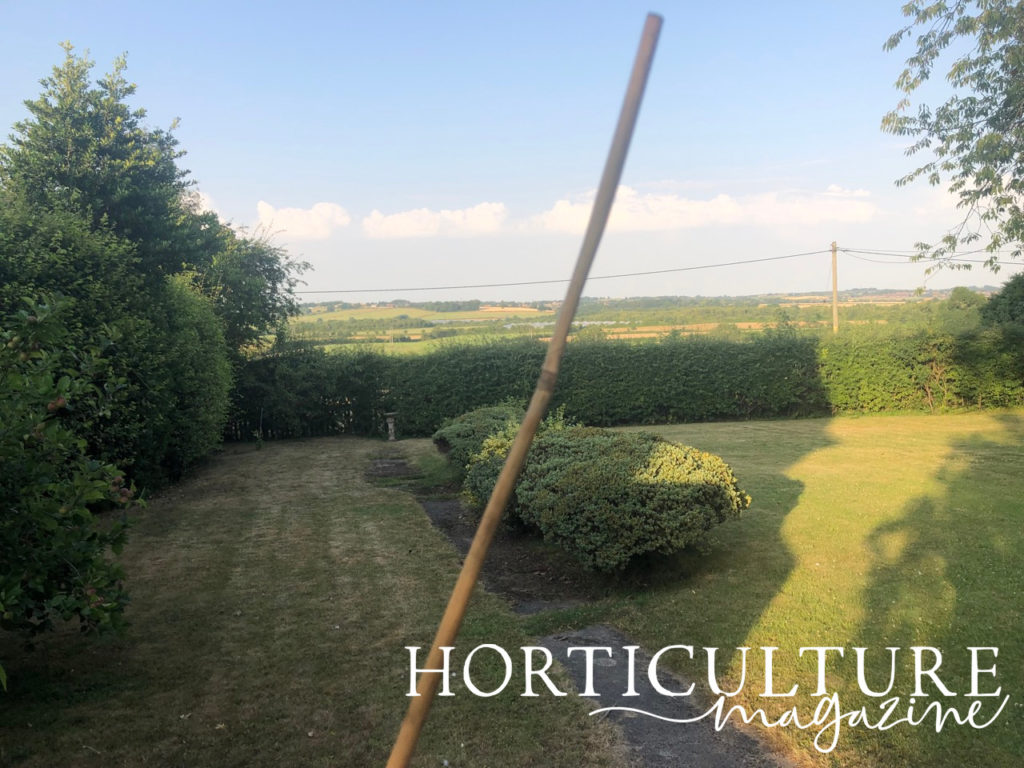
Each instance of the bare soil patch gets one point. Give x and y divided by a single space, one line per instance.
530 575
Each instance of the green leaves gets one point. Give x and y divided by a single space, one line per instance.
977 135
460 438
84 150
609 498
54 542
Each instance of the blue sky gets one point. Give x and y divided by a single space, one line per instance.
402 144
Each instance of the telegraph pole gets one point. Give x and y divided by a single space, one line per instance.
835 292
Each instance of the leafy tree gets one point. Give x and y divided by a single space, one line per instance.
251 282
977 135
1006 306
54 549
961 312
94 205
84 149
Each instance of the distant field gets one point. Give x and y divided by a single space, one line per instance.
379 313
413 347
416 329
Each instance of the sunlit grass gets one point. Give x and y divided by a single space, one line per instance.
873 532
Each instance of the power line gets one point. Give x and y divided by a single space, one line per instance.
907 256
873 261
550 282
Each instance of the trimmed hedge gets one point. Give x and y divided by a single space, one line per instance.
690 379
923 371
427 389
687 379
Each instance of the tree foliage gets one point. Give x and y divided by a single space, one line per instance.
84 149
94 205
251 281
1007 305
977 135
54 550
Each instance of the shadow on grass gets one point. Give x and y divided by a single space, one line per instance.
950 574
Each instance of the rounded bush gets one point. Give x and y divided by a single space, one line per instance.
463 436
609 497
486 464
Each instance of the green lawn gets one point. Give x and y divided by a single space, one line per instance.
275 590
872 532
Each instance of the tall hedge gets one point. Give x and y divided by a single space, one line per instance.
304 392
690 379
427 389
923 371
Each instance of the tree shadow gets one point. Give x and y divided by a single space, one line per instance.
950 574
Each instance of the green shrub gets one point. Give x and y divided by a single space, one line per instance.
484 466
609 497
460 438
54 549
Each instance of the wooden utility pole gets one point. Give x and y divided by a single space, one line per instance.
835 292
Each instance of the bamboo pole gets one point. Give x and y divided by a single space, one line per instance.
419 705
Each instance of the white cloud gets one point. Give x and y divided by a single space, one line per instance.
835 190
648 212
482 219
316 223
